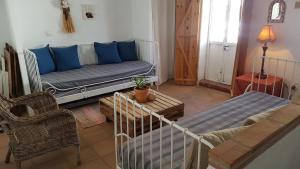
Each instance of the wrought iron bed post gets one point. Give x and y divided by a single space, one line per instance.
289 65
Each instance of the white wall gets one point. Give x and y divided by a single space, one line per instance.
142 26
6 33
5 27
288 34
9 34
203 39
40 22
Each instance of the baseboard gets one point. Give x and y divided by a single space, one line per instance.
215 85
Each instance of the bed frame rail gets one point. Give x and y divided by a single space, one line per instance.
286 69
122 137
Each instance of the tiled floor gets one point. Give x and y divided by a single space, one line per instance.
97 142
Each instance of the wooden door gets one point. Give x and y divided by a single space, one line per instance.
187 41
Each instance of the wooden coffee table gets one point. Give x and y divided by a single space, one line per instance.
171 108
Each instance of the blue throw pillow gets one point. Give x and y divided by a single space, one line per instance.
127 51
44 60
66 58
107 53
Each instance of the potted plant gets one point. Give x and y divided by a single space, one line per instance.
141 90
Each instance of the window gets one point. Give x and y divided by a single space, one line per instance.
224 21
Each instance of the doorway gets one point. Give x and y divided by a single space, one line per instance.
223 31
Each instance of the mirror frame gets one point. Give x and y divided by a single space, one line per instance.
282 11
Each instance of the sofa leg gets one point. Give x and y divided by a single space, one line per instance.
7 159
78 156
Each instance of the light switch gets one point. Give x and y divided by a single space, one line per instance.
297 5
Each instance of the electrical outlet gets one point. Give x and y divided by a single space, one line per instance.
297 5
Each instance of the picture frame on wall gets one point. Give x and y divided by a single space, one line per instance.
88 11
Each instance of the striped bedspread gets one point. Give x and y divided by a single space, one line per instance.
231 113
92 77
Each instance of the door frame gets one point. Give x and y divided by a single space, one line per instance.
224 40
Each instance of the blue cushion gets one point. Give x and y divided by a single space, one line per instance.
44 60
66 58
127 51
107 53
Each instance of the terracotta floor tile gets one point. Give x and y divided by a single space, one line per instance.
83 142
12 165
97 133
55 157
52 165
104 147
110 160
87 154
3 151
3 140
96 164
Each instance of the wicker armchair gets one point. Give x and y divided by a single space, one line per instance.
44 127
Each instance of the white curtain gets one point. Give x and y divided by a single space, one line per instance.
163 15
204 38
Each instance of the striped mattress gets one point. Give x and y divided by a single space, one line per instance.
92 77
231 113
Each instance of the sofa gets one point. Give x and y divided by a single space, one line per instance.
91 78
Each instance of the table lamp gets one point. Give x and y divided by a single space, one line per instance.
266 35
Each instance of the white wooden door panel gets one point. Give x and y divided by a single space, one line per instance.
229 58
214 62
223 33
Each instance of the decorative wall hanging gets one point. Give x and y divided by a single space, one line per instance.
88 12
277 11
68 25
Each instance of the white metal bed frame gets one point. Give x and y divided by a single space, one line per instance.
122 137
291 82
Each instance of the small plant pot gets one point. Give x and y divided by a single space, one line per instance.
141 95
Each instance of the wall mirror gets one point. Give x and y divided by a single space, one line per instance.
277 11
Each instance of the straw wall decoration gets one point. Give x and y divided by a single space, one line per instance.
68 25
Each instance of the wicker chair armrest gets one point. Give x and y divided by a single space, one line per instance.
39 118
41 102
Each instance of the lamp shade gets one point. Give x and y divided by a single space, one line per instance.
266 34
